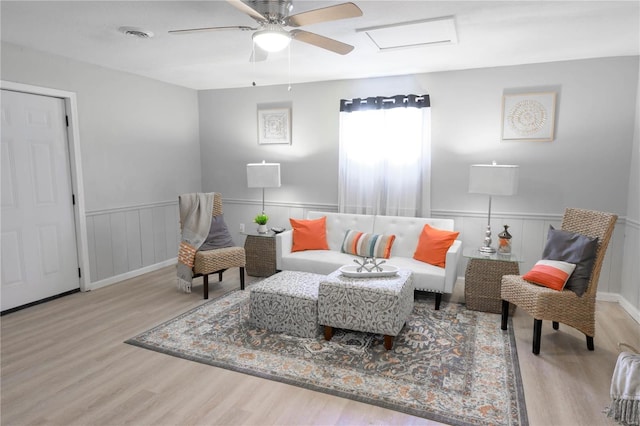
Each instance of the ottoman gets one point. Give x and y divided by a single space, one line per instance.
375 305
286 302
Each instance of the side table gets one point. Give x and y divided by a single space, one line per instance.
483 279
260 250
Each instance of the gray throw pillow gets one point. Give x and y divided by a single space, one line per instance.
219 236
573 248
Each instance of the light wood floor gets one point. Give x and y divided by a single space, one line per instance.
64 363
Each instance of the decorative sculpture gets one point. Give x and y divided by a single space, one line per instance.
369 264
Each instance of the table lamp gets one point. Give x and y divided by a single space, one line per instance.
263 175
492 179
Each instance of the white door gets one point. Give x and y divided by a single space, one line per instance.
39 253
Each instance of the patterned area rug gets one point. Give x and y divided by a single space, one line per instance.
453 366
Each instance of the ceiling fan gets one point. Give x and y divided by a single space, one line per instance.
273 16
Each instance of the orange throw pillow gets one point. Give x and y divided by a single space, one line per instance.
309 234
433 245
550 273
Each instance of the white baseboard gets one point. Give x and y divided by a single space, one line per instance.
132 274
624 303
631 310
607 297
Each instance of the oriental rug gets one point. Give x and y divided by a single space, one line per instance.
453 365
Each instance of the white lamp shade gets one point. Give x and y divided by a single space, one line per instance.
493 179
263 175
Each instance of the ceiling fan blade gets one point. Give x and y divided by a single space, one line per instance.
321 41
198 30
245 8
331 13
258 55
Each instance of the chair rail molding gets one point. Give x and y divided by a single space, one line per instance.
285 204
130 208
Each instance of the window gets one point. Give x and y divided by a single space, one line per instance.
384 156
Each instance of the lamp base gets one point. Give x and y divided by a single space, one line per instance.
487 250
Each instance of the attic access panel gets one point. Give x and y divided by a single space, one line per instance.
413 34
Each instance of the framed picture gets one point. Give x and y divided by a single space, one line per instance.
528 116
274 126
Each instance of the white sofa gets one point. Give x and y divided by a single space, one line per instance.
407 230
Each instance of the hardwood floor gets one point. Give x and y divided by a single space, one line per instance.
65 363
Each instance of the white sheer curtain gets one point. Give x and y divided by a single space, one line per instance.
385 161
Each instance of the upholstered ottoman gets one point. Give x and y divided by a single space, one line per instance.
287 302
375 305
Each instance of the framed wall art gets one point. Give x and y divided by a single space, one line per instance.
274 126
528 116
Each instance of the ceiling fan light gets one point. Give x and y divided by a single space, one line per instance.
272 38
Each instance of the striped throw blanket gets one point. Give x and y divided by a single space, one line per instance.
196 210
625 389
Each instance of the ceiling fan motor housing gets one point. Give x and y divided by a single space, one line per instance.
274 10
273 15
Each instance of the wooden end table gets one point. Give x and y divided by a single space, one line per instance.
483 279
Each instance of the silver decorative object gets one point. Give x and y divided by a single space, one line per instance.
369 264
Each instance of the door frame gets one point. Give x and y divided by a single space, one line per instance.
75 164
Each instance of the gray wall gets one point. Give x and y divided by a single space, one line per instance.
144 142
630 286
140 148
588 165
140 141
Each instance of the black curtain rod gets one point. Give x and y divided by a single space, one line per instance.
382 102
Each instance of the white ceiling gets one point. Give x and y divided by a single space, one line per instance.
489 34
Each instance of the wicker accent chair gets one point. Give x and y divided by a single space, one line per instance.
563 306
219 260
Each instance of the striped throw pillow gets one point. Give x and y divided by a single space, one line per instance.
367 245
550 273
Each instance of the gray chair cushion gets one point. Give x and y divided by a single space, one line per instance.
573 248
219 236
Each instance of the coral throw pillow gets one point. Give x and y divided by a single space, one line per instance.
550 273
309 234
433 245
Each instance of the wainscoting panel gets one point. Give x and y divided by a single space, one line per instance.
140 238
159 234
146 236
529 231
172 230
127 239
630 282
102 245
529 236
134 239
118 233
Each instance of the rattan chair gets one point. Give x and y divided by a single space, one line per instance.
217 261
562 306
